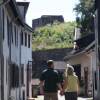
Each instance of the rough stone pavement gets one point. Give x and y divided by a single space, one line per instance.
62 98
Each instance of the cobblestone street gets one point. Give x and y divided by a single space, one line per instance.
62 98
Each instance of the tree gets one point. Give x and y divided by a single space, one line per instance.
58 35
85 9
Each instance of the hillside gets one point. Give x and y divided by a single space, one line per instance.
58 35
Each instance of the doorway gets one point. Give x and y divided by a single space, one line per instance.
86 80
77 69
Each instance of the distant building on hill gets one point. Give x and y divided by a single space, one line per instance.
46 19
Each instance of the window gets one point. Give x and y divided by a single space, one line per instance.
28 41
14 76
23 95
12 35
6 70
17 37
25 39
21 38
0 19
9 31
32 90
15 34
3 23
2 78
8 34
95 81
22 74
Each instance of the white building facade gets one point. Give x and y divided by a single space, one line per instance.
86 62
16 54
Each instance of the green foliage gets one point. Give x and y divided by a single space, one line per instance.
85 9
58 35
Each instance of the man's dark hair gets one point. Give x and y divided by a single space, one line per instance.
49 62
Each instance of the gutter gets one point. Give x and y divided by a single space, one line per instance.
28 27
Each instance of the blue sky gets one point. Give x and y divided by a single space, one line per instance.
50 7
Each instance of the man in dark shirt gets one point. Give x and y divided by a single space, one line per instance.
49 82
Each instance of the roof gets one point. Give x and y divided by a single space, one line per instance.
81 51
28 27
16 12
25 4
84 44
85 41
51 16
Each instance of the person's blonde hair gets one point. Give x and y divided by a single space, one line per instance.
70 70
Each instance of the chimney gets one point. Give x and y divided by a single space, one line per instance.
77 33
77 36
23 6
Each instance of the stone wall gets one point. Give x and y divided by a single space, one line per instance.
40 59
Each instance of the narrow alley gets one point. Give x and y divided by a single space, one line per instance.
26 49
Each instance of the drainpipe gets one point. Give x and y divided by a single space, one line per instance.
1 53
20 68
97 44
